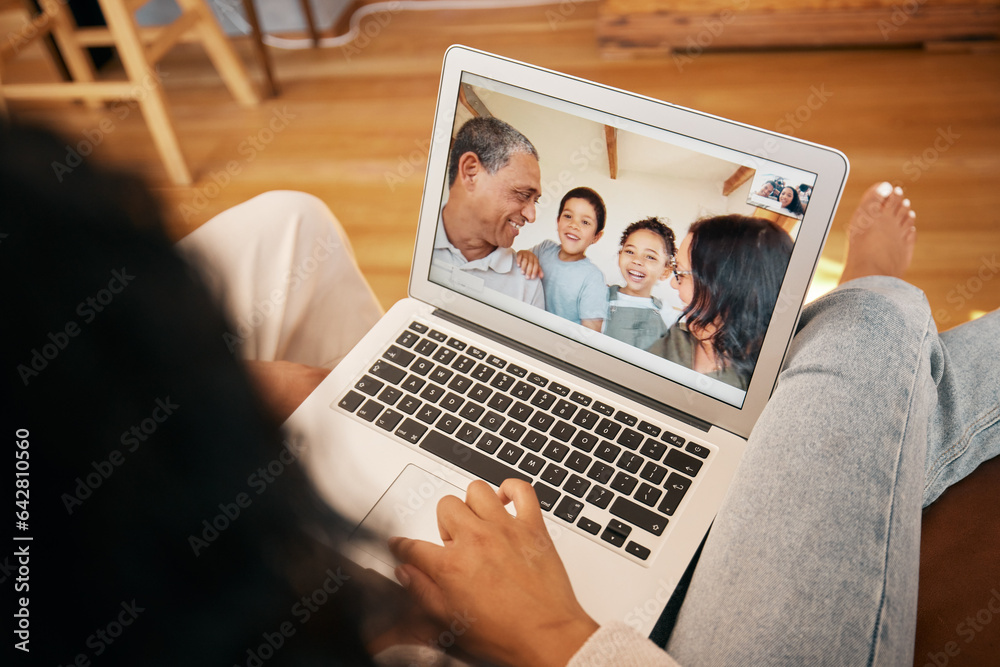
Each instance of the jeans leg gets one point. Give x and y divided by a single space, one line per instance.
813 558
284 270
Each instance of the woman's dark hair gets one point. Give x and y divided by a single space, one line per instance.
654 225
795 206
592 198
737 263
153 542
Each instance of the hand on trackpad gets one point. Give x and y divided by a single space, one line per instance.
407 509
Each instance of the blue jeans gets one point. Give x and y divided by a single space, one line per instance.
813 558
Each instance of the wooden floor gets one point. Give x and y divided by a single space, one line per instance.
353 120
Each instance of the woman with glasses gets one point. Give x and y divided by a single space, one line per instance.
727 272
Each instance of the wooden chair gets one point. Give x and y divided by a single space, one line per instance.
139 50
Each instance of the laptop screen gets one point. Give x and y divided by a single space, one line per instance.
683 275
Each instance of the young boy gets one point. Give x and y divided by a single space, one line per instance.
574 287
645 258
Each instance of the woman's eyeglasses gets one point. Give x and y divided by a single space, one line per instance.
678 274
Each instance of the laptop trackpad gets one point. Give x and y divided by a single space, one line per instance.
407 509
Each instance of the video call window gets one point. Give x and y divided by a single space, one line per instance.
642 172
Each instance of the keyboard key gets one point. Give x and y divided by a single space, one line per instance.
556 452
676 487
586 419
535 378
608 429
654 449
460 383
469 459
589 526
472 412
426 347
624 483
398 355
512 431
653 473
577 486
600 497
543 400
534 441
648 495
491 421
451 402
558 389
678 460
516 371
630 462
411 431
630 438
649 429
448 423
351 401
489 443
601 472
456 344
369 411
468 433
390 395
604 409
476 352
408 405
523 391
388 420
502 381
407 339
564 409
673 439
698 450
480 393
428 414
432 393
547 496
413 384
582 399
422 366
520 412
637 550
493 360
578 461
464 364
626 418
585 441
437 335
510 453
483 373
638 515
568 509
444 356
616 532
418 327
500 402
441 374
607 451
369 385
563 431
541 421
554 474
532 464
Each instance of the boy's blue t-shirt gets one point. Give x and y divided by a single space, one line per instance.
574 290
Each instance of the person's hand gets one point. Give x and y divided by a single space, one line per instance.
284 385
497 581
527 261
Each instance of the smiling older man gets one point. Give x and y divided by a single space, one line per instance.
494 182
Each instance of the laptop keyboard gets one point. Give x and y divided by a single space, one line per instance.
615 477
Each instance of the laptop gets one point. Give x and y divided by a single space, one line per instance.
631 454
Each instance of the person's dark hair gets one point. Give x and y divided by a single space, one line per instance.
654 225
737 265
492 140
143 433
795 206
592 198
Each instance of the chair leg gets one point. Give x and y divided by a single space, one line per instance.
147 87
222 54
258 40
77 60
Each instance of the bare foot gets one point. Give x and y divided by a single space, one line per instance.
881 235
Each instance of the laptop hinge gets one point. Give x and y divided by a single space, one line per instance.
679 415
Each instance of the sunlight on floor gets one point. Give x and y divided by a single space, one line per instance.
826 277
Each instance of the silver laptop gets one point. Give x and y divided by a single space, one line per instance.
631 454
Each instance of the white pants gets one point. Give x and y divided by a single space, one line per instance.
284 271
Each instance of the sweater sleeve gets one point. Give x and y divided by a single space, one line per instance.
618 645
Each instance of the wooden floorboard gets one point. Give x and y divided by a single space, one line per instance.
351 117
